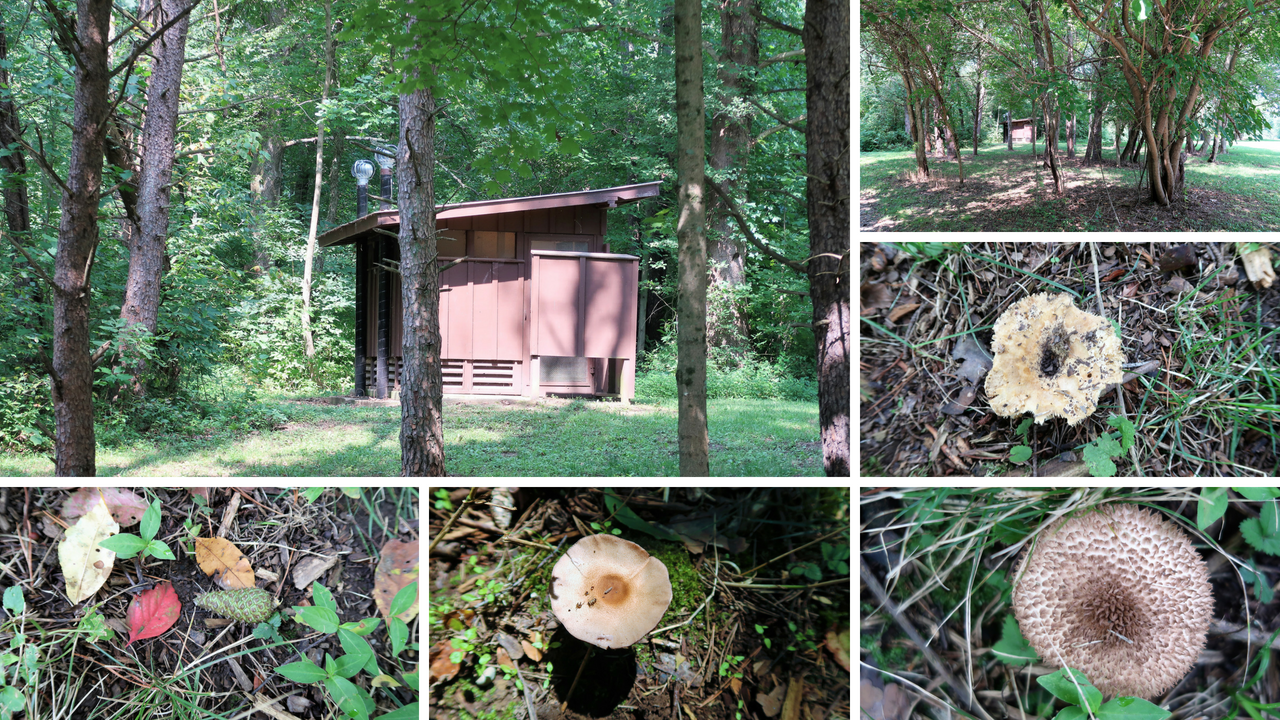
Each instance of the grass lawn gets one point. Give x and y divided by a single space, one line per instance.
549 437
1012 191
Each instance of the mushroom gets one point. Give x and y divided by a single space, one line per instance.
627 591
1119 594
1051 359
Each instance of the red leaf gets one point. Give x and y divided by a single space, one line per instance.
153 612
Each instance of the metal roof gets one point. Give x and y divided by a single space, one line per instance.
389 220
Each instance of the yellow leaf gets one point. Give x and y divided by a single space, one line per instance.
397 568
222 560
384 681
84 564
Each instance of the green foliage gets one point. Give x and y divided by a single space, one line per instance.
127 545
727 377
1211 507
1019 453
1098 453
1071 686
26 412
1013 649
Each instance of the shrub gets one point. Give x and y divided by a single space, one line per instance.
728 376
26 412
872 140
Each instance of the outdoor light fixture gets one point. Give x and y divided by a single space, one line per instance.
362 171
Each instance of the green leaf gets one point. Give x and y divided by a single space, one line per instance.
502 176
348 698
157 549
312 493
1019 453
95 627
399 633
1251 529
322 597
305 672
1061 685
408 712
1072 712
1012 648
1139 8
124 545
1212 506
320 618
150 521
405 598
12 699
569 146
351 492
1268 522
1125 426
355 646
13 600
1258 494
627 516
1129 708
364 627
411 679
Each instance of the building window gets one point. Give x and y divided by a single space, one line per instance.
451 243
492 244
562 245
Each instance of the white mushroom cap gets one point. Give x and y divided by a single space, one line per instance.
609 592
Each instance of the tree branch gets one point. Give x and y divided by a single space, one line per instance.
137 52
225 107
733 209
790 56
781 120
30 261
776 128
759 14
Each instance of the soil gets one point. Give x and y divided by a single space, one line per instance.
274 528
673 674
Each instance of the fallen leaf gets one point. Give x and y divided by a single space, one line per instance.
962 400
224 562
153 612
504 658
1177 258
838 644
310 568
771 703
442 668
534 653
79 554
791 706
977 361
125 506
202 492
397 568
902 310
736 684
876 296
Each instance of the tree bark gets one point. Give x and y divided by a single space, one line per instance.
422 386
17 211
826 43
691 284
309 258
977 113
148 252
915 126
730 150
72 377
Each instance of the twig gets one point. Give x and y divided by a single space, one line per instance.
824 537
448 524
965 694
528 696
567 697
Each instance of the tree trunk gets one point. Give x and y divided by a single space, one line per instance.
1131 147
338 148
148 253
1071 136
72 378
307 340
421 386
691 284
1008 129
977 116
826 44
264 187
1093 149
915 126
730 148
17 212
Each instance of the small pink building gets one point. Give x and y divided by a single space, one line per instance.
538 305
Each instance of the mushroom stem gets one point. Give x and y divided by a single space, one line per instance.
565 704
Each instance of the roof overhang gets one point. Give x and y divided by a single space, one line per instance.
389 220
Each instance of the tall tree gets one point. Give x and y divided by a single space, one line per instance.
319 177
72 372
730 147
422 388
826 45
148 248
16 209
691 302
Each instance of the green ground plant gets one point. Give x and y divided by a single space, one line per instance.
127 545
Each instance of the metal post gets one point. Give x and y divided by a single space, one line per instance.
384 317
362 291
362 171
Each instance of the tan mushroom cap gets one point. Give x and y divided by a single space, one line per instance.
609 592
1119 594
1051 359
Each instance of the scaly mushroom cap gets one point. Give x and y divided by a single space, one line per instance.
608 591
1118 594
1051 359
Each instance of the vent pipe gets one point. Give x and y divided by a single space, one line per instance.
386 160
362 171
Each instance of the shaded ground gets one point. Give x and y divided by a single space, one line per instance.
727 639
1005 191
1202 385
276 529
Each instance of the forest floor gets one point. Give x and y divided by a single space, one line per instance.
759 613
111 654
1011 191
1202 383
492 438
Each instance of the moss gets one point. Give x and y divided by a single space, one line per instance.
687 592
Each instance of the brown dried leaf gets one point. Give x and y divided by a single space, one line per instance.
397 568
771 703
962 400
876 296
901 311
534 653
125 506
442 668
223 561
